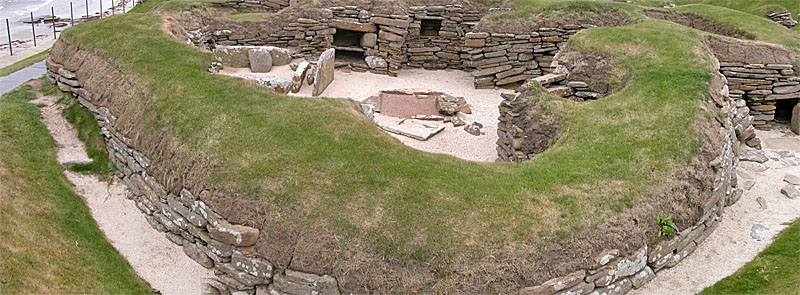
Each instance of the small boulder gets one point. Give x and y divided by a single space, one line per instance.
474 128
260 61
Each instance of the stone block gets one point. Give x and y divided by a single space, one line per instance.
255 266
295 282
325 71
556 284
369 40
260 60
237 235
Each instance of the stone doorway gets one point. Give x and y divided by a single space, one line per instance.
783 110
347 38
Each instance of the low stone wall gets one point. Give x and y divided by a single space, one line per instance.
784 18
215 243
430 37
612 272
761 86
189 222
267 5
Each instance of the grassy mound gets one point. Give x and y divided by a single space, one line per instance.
317 177
49 244
773 271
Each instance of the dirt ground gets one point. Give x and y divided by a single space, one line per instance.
730 246
452 141
154 258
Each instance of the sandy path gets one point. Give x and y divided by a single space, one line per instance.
153 257
730 246
452 141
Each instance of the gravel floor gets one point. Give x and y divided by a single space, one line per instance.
154 258
452 141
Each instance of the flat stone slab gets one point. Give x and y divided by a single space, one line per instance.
784 143
790 191
410 128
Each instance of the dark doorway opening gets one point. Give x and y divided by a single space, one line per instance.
349 56
783 110
347 38
430 27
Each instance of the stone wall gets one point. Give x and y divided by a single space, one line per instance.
217 244
189 222
784 18
267 5
761 86
430 37
613 272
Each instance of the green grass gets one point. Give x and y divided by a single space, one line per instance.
250 16
89 133
773 271
28 61
49 244
763 29
319 162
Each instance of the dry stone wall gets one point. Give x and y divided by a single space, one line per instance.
189 222
760 87
430 37
267 5
784 18
613 272
215 243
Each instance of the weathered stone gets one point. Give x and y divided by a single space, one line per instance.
254 266
786 89
795 123
237 235
66 74
375 62
324 71
295 282
639 279
475 42
620 268
491 71
390 22
193 251
243 277
756 230
753 156
556 284
260 60
577 84
616 288
474 128
579 289
791 179
369 40
385 35
604 258
299 75
352 26
790 191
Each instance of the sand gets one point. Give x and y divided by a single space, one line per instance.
452 141
730 246
154 258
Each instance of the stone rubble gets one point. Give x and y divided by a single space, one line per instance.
784 18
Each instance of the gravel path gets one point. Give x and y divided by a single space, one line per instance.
730 246
452 141
153 257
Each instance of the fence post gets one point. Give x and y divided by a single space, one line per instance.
33 30
113 9
87 10
53 12
8 30
101 8
71 15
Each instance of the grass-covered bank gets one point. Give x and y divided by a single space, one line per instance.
89 133
49 244
773 271
316 174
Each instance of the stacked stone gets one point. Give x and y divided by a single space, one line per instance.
440 49
501 59
761 86
509 134
612 273
354 19
268 5
392 32
784 18
187 220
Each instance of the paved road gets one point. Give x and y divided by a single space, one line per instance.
10 82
